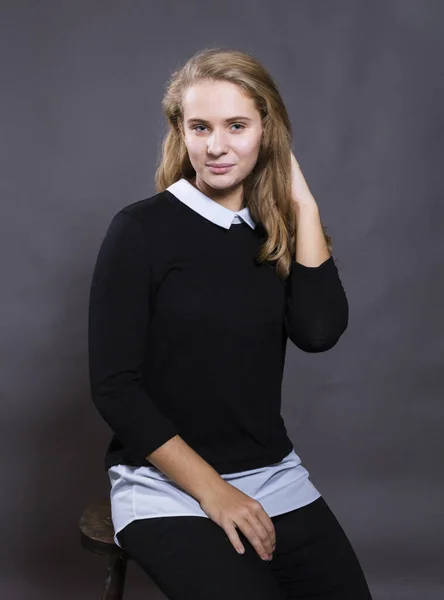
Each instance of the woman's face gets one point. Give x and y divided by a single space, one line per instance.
221 125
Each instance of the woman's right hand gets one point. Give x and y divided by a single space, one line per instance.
230 508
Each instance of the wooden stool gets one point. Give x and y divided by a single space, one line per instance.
97 536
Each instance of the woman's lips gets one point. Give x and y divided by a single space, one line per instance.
220 169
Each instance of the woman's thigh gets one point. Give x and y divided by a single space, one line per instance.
191 558
314 558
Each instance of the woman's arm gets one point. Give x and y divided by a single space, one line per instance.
311 247
119 309
317 309
119 305
187 468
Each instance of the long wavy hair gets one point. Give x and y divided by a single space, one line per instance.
267 189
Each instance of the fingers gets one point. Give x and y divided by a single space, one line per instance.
269 527
261 537
258 536
230 530
264 528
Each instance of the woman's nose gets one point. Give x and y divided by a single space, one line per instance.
217 143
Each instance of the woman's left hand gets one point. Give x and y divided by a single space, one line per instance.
300 191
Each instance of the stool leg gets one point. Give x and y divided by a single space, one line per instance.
115 578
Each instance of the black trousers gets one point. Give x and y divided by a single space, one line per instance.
191 558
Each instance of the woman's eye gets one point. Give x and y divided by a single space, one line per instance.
239 124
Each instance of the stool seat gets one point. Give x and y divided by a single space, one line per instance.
97 536
97 530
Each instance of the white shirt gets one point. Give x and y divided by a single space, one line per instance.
146 492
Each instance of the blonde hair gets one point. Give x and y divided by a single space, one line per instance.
267 189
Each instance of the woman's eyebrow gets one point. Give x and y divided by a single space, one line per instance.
239 118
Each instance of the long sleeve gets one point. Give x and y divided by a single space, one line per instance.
316 306
119 306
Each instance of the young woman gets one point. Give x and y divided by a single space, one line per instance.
195 292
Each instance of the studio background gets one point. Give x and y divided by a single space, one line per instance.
81 128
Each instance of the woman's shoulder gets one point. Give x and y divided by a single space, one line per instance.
151 211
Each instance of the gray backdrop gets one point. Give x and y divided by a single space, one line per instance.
81 129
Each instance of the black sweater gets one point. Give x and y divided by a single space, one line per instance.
188 333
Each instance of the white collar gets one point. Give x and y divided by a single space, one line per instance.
208 208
